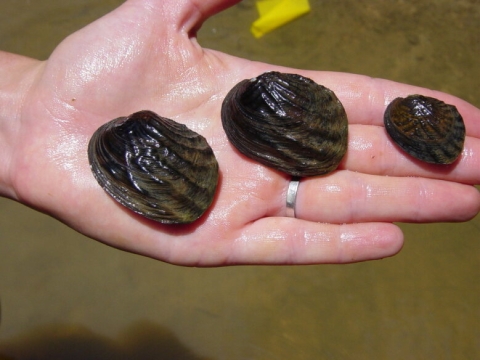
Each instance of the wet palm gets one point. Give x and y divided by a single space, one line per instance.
129 61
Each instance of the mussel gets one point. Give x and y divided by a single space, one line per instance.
426 128
154 166
287 122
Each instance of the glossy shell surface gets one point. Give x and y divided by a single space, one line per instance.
155 167
287 122
426 128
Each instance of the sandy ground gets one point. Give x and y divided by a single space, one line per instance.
65 296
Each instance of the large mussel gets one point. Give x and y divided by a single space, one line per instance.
154 166
287 122
426 128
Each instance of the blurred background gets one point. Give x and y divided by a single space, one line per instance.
64 296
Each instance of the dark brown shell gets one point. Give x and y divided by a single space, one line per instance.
155 167
426 128
287 122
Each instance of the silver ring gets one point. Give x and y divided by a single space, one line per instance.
292 196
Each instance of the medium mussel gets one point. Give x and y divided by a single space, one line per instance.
155 167
426 128
287 122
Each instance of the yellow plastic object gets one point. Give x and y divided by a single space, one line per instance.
275 13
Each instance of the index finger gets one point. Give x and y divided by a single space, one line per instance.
365 99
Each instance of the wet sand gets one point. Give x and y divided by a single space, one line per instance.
65 296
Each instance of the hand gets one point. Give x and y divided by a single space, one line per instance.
144 55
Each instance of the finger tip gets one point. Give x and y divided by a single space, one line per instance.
373 241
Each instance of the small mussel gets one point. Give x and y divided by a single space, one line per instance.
155 167
426 128
287 122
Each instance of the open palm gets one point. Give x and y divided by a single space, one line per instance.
144 55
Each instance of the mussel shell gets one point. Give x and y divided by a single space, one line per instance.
287 122
154 166
426 128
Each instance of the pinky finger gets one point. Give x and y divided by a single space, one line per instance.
280 241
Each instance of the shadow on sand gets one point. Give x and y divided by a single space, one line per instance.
142 340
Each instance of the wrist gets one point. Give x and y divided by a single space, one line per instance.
17 74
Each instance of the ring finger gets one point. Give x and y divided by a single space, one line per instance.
349 197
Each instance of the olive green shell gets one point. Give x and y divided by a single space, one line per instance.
426 128
287 122
155 167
